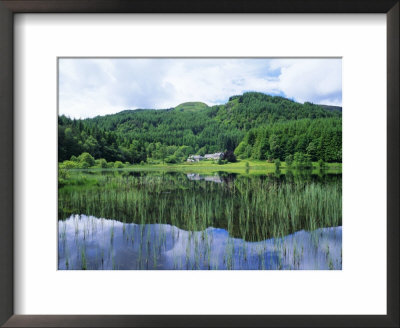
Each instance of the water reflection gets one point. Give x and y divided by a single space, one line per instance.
87 242
198 177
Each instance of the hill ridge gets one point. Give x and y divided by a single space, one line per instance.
254 125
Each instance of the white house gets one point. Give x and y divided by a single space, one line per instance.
198 158
195 158
215 156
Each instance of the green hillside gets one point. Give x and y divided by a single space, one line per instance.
191 106
254 125
328 107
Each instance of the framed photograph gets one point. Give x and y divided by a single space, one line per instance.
206 164
201 185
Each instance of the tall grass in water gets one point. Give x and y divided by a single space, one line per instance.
251 208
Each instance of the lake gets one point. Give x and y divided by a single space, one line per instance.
126 220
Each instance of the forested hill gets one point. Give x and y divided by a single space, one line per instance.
254 125
337 108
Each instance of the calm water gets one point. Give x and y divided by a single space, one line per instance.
135 221
87 242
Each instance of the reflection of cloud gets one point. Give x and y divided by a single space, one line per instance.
90 87
111 244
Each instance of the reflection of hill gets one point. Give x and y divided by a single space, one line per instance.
109 244
254 208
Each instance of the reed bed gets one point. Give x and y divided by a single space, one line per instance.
251 208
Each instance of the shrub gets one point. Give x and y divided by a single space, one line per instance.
69 165
102 163
83 165
229 156
321 164
62 173
289 160
307 161
171 159
62 177
118 165
302 161
86 160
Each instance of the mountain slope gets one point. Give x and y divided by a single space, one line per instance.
191 106
194 127
331 108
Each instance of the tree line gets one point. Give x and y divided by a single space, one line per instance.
314 138
252 125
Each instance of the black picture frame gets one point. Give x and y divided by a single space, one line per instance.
10 7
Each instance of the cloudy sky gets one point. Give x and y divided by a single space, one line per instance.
91 87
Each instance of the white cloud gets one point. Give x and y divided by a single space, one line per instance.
90 87
314 80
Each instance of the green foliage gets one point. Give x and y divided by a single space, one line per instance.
251 208
302 161
317 138
289 160
229 156
86 160
63 173
191 106
118 165
253 125
62 176
277 164
321 164
102 163
70 165
202 151
171 159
